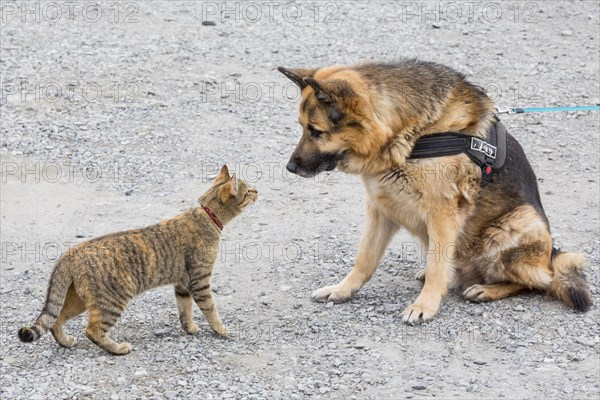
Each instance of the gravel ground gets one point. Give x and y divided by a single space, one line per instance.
118 116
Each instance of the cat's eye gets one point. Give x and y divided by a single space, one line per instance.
315 133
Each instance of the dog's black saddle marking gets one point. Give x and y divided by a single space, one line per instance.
489 154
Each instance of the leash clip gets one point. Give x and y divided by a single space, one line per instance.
505 110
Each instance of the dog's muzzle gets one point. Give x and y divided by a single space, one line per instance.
291 166
314 165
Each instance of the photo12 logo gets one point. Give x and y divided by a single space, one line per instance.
73 92
270 11
70 11
267 171
68 172
248 92
468 11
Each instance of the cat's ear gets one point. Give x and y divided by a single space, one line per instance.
229 189
223 175
234 185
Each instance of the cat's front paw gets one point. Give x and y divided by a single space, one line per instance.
220 329
191 329
120 349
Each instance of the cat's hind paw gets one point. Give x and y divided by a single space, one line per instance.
220 329
191 329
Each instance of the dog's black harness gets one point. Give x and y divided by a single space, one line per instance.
490 155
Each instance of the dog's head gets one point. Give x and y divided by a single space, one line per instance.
334 119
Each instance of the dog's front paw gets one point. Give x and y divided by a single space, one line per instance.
420 312
420 275
335 293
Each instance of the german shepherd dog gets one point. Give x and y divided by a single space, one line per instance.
489 241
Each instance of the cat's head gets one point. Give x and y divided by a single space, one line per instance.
228 194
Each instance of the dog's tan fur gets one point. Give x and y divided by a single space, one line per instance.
365 119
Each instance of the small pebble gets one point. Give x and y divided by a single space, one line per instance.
568 389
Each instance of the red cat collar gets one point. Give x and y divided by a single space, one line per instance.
213 217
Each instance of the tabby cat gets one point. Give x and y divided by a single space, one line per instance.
102 275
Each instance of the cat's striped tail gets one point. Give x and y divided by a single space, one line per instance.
57 291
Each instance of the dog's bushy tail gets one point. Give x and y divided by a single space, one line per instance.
568 283
57 291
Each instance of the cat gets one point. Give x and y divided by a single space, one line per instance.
102 275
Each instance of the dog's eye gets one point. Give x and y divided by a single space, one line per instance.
315 133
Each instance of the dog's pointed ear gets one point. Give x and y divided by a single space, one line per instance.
320 93
330 91
335 94
297 75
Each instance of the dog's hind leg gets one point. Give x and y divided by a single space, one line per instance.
532 266
379 231
522 269
494 292
521 246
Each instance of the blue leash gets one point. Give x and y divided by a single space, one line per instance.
519 110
